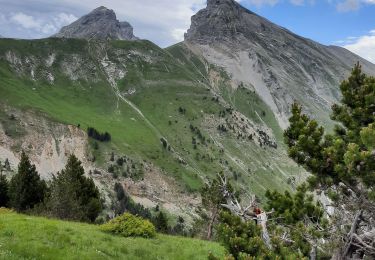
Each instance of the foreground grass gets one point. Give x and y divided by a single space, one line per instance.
28 237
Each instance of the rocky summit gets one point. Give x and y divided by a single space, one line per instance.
280 65
101 24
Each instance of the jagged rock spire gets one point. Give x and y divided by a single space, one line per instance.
101 24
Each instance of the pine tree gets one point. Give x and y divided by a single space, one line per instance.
26 189
4 198
7 165
342 163
347 155
73 196
357 107
178 229
212 198
161 222
242 239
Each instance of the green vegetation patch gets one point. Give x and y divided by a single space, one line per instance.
27 237
128 225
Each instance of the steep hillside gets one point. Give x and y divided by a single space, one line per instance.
26 237
172 116
177 116
279 65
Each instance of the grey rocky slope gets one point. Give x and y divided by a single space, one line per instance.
101 24
280 65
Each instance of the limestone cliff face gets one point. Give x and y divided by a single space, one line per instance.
100 24
49 145
280 65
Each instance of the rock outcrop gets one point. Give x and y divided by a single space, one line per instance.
280 65
100 24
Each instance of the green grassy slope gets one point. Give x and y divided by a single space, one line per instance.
158 83
27 237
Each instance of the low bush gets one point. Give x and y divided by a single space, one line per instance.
5 211
128 225
95 134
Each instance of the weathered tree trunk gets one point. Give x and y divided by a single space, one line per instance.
211 224
313 252
348 247
262 221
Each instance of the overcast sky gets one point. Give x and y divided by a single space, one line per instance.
349 23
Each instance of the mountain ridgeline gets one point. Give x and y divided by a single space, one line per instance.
217 102
101 24
280 65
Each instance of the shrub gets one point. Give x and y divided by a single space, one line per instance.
95 134
128 225
240 237
5 211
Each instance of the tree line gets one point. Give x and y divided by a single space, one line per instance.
95 134
69 195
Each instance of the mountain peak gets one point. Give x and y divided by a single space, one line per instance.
102 8
219 2
101 23
222 19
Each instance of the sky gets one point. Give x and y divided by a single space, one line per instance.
347 23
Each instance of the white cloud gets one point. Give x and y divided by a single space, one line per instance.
363 46
352 5
64 19
39 25
348 5
163 21
178 34
26 21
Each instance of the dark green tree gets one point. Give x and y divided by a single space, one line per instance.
4 198
212 198
299 216
292 208
357 105
293 225
161 222
342 163
74 196
179 228
7 165
346 155
243 239
26 189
